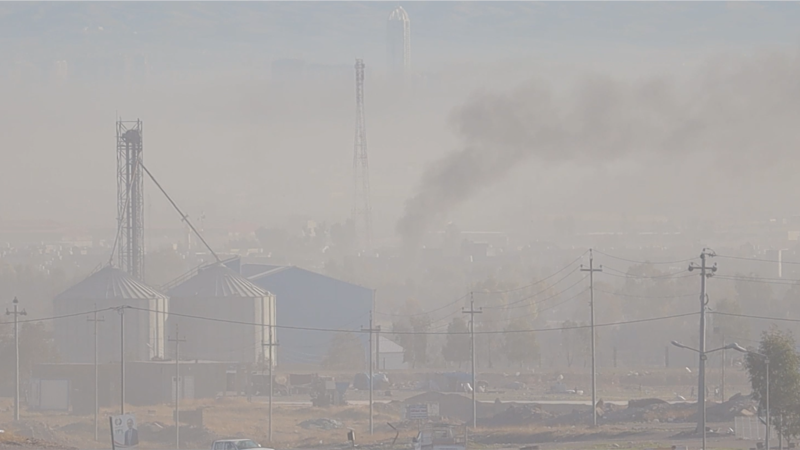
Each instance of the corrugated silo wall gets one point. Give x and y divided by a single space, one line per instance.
265 314
75 335
232 334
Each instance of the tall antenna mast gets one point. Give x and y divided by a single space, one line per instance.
362 211
130 198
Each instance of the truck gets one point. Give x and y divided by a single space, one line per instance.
438 437
236 444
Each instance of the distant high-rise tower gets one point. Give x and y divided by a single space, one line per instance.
130 201
362 211
399 41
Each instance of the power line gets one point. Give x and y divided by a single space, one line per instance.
783 281
338 330
652 277
496 292
335 330
645 262
617 294
516 302
750 316
424 312
536 282
63 316
539 311
758 259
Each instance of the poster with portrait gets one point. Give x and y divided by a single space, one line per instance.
124 431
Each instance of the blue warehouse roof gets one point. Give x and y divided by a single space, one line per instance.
309 299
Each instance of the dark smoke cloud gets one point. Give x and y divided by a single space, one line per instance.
741 112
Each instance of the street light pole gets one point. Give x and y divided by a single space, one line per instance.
703 358
766 364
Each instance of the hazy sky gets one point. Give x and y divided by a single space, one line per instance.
224 139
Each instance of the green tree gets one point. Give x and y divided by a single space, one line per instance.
346 352
520 347
784 380
411 328
457 346
420 324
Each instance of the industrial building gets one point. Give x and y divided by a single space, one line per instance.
309 300
227 304
110 287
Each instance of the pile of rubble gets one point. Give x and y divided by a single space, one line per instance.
516 415
165 434
321 424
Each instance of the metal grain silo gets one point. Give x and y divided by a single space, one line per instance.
241 312
109 288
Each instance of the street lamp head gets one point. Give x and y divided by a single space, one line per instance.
15 301
677 344
738 348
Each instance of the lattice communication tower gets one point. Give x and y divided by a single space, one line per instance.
362 211
130 198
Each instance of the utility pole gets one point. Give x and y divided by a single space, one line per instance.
270 345
591 271
378 348
95 321
722 388
371 384
178 389
16 313
705 272
472 313
121 311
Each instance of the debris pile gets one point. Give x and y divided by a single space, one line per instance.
321 424
738 405
163 434
516 415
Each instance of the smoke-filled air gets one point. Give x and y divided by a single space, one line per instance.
737 112
477 225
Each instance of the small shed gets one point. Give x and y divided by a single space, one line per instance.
223 317
391 355
110 287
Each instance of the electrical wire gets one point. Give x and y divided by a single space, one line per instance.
335 330
536 282
644 262
616 294
64 316
537 312
757 259
654 277
780 281
424 312
496 292
516 304
750 316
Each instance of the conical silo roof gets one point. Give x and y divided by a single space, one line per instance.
217 281
110 283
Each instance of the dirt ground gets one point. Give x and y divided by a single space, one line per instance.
503 425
